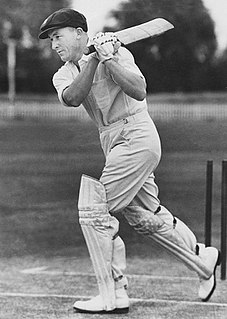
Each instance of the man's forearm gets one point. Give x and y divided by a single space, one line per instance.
80 87
132 84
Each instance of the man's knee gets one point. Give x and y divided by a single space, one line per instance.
142 220
93 207
162 222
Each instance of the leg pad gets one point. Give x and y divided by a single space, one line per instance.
98 228
170 233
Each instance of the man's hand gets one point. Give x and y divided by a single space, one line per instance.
106 45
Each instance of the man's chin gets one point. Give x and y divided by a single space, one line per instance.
63 59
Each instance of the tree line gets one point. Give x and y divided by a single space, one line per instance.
181 60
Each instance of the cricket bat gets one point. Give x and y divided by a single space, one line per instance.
142 31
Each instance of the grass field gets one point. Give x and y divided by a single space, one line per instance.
44 262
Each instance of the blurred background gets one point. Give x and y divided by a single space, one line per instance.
192 58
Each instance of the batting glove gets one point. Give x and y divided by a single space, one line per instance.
106 44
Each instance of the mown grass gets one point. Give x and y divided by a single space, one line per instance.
40 167
171 98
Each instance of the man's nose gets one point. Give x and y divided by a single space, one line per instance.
54 45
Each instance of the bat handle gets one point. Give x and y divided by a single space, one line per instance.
89 50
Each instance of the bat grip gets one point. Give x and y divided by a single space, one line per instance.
89 50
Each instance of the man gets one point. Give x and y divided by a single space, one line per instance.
112 89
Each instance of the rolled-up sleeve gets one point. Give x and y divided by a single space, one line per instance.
61 80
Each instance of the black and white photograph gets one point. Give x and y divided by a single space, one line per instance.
113 159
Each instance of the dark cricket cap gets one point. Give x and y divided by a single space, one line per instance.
61 19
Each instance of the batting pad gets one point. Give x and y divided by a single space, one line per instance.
179 241
98 228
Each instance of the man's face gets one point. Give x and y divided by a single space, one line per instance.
66 42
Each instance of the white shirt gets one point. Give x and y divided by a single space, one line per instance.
106 103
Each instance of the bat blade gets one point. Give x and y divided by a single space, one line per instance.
143 31
139 32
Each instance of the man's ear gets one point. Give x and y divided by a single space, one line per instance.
79 32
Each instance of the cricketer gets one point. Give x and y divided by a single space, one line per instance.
112 89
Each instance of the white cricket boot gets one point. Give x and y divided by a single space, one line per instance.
96 305
211 257
122 299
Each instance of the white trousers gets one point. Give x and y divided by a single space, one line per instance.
132 150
